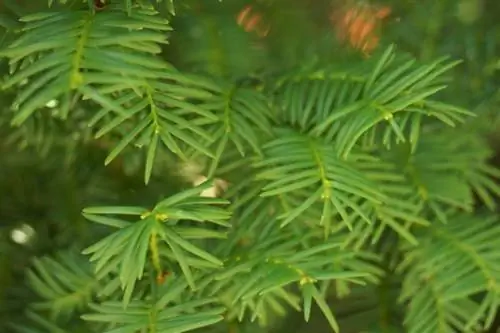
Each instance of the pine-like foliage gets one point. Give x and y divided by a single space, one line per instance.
353 190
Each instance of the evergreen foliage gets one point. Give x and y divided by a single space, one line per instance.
347 184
